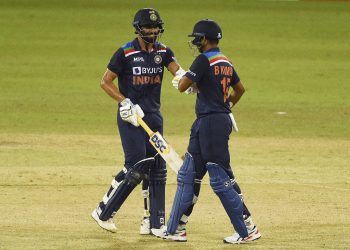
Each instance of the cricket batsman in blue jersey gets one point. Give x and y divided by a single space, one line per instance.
139 66
211 76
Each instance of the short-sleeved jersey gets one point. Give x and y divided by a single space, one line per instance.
140 73
214 74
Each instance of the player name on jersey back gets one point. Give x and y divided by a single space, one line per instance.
223 70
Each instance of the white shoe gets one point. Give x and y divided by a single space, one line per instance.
145 226
253 234
179 235
107 225
158 232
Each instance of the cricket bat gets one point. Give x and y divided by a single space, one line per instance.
163 148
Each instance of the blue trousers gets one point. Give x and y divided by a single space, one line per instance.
209 142
135 140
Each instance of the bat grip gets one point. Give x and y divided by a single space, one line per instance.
144 125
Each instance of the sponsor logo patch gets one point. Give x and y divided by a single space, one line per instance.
139 59
136 70
191 73
146 70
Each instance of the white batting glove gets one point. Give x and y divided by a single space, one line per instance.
193 89
128 112
178 75
234 124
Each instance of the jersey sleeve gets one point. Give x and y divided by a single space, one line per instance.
116 63
235 78
169 57
199 66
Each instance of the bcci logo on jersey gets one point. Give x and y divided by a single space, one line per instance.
157 59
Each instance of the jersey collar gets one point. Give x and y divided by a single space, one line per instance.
137 46
217 49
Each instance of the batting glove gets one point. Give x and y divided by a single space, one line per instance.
193 89
129 112
178 75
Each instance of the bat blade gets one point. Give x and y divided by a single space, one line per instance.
166 151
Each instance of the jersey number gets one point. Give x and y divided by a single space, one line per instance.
225 82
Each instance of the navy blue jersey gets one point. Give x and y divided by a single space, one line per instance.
140 73
214 74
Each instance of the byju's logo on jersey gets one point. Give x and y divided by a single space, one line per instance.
139 59
136 70
146 70
147 75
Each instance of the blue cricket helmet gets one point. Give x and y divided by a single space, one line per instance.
147 17
206 28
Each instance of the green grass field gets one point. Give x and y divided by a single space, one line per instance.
59 145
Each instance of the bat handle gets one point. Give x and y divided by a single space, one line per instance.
144 125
